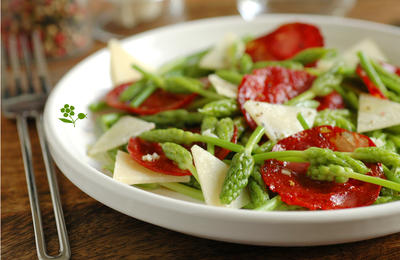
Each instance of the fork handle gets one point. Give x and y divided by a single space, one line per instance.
65 251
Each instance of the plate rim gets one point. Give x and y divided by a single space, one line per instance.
335 216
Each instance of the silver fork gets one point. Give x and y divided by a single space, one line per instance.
29 103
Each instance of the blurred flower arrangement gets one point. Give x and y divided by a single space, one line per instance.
64 24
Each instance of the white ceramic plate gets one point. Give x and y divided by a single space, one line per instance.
90 80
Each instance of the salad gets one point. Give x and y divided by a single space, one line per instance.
277 122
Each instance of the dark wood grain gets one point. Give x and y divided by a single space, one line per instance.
98 232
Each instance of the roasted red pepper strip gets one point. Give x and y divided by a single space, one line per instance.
138 148
285 42
295 188
159 101
274 85
332 101
372 88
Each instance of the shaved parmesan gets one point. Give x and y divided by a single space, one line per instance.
128 171
121 64
369 46
378 142
279 121
212 173
350 56
223 87
217 57
120 133
376 113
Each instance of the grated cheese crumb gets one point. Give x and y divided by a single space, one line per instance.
150 157
156 156
286 172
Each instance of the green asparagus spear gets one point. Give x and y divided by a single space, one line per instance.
311 55
265 147
209 124
180 136
322 156
303 121
316 156
209 128
285 63
178 117
221 108
193 183
271 205
225 129
306 103
369 69
376 155
181 156
240 169
133 90
231 76
193 85
173 67
341 174
388 192
98 106
386 199
391 80
394 129
241 125
107 120
185 66
257 187
245 64
184 189
392 175
143 94
342 118
234 54
322 86
258 196
349 97
158 80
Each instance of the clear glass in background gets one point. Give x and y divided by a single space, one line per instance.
65 25
249 9
123 18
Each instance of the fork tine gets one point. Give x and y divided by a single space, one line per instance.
21 107
41 67
14 59
4 76
23 40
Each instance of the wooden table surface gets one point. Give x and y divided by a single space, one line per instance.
99 232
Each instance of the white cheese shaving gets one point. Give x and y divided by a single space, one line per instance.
376 113
120 133
378 142
121 64
223 87
128 171
369 46
279 121
350 56
212 173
